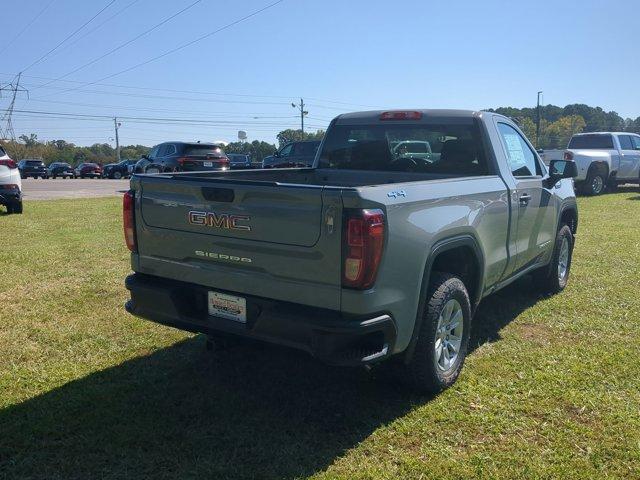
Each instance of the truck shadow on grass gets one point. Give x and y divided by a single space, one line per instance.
181 412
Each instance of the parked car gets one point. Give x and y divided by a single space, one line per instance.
118 170
365 256
92 170
238 160
293 154
60 169
604 159
32 167
183 157
10 184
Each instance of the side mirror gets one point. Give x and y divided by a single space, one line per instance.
559 169
146 157
276 153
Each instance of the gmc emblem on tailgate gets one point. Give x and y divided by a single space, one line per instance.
219 220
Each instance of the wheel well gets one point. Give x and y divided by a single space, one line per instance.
570 217
601 168
463 262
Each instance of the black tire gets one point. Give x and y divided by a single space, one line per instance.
54 177
116 175
14 207
549 279
595 183
422 369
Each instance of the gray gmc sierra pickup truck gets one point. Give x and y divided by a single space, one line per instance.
374 252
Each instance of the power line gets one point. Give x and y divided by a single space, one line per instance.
172 90
157 120
180 47
122 45
69 36
7 45
122 10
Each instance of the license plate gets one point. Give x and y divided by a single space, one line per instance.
228 306
208 164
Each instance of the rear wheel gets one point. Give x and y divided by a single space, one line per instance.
554 277
117 175
595 183
443 337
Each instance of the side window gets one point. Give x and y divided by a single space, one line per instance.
625 142
636 142
154 151
169 150
522 160
286 151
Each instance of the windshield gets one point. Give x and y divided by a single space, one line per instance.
446 149
34 162
591 142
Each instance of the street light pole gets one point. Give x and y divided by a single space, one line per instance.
538 122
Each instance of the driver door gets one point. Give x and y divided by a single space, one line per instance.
530 200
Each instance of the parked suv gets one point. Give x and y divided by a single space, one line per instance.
293 154
31 167
118 170
183 156
92 170
60 169
10 184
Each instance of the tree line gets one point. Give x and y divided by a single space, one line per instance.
557 125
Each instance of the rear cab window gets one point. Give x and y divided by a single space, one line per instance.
591 142
450 149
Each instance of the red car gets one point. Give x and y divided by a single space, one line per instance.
88 170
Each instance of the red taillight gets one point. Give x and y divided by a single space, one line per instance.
128 220
401 115
7 162
9 186
568 155
224 161
181 160
363 237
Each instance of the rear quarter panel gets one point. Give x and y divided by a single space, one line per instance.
428 213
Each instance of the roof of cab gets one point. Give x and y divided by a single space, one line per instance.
427 115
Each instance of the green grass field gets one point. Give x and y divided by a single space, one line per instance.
551 388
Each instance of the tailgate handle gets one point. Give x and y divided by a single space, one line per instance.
218 194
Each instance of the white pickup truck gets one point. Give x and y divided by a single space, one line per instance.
604 159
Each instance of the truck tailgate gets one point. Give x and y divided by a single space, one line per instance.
259 238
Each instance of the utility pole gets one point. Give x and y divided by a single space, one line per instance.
303 112
6 118
538 122
117 125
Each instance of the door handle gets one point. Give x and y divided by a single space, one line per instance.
524 199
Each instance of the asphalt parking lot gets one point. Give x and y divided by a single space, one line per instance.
50 189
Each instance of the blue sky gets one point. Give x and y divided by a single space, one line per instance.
338 55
